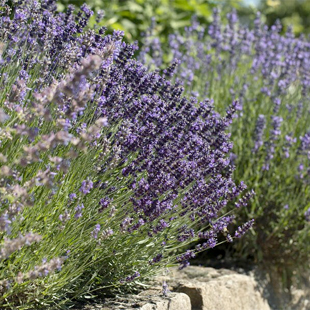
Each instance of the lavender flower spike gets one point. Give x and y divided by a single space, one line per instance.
243 229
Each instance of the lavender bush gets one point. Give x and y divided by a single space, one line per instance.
106 168
269 74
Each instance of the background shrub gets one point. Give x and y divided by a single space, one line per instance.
293 13
269 74
134 17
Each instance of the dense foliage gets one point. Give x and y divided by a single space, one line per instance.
107 169
269 74
293 13
133 16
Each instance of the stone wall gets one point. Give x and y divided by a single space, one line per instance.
203 288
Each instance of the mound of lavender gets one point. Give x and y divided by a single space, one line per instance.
106 168
269 75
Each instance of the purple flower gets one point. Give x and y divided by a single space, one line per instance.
78 210
132 277
244 228
72 196
156 259
184 264
307 215
165 289
95 232
259 130
104 203
86 186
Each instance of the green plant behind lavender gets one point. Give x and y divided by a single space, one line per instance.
134 16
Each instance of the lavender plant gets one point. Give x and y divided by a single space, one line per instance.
106 168
269 75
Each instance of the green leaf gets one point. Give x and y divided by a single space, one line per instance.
184 5
179 24
135 7
204 10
